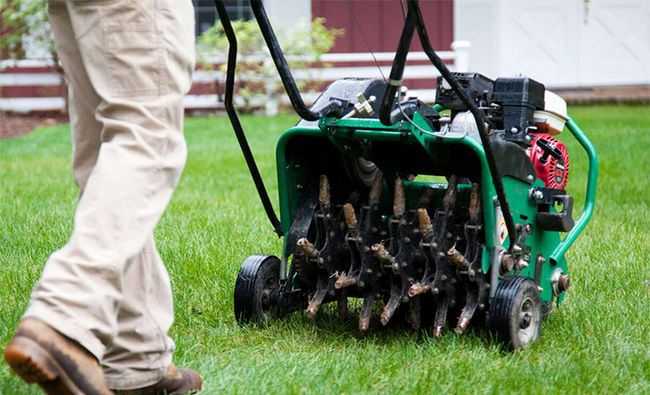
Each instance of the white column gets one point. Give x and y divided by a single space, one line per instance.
288 13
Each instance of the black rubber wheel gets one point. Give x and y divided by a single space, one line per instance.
516 312
258 278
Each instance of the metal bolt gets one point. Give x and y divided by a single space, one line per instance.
540 289
530 178
335 122
454 281
405 299
407 240
481 306
362 284
513 129
443 278
435 291
471 273
523 264
527 138
369 271
539 195
564 283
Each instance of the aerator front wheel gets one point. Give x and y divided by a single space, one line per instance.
256 283
516 312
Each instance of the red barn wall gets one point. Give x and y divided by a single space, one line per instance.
381 22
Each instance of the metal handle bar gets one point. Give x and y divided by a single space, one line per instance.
590 198
234 119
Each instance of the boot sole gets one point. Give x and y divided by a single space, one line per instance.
34 364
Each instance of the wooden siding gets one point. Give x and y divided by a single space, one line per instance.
381 22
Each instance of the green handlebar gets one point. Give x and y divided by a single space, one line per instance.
590 198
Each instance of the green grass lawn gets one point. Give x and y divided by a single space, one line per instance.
597 342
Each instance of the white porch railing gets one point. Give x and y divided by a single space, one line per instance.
25 75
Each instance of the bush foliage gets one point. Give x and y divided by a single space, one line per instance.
256 77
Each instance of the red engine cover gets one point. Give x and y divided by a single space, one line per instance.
551 160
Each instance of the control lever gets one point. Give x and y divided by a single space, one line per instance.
362 106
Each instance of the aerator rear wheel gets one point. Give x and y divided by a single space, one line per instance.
516 312
258 279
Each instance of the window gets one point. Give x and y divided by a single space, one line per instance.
206 14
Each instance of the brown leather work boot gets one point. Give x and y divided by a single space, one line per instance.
176 381
39 354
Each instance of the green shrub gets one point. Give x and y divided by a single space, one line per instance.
256 77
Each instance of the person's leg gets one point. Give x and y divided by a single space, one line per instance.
141 351
139 58
37 352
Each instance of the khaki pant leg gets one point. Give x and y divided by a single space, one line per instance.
141 351
139 57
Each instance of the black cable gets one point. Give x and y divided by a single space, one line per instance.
234 119
481 122
356 21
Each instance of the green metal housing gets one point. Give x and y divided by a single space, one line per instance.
403 148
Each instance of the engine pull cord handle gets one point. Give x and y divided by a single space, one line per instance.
234 118
481 123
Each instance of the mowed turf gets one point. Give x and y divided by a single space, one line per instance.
597 342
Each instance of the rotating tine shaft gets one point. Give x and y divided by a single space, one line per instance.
425 224
345 281
457 258
474 204
399 202
307 247
375 190
350 216
384 256
450 195
324 197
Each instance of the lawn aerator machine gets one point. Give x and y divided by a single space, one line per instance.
444 217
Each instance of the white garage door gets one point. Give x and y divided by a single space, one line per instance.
563 43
